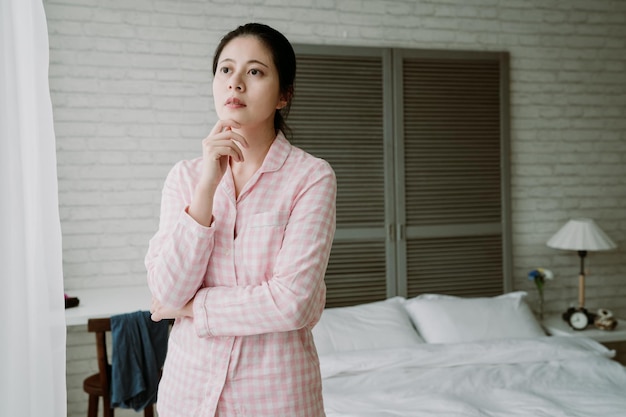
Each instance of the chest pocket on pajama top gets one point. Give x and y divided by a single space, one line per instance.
263 238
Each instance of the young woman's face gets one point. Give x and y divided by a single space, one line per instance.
246 85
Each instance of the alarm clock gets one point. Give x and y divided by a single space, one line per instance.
578 318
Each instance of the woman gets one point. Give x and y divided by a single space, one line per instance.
242 248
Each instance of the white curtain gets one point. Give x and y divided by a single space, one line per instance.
32 318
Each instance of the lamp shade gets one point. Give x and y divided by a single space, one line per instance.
581 235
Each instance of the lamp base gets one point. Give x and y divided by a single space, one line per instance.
570 311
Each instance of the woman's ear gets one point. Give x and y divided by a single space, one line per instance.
281 103
285 98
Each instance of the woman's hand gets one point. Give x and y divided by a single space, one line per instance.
217 148
161 313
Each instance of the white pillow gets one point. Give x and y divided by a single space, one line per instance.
377 325
448 319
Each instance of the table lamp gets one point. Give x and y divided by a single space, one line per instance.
581 235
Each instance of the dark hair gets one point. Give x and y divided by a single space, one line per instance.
284 60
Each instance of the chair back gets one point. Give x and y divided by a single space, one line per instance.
100 327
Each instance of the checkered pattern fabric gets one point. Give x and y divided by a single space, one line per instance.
257 274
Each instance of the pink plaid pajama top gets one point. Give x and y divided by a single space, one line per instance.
257 274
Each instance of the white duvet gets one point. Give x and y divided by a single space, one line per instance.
550 376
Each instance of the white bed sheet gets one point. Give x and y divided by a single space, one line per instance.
547 376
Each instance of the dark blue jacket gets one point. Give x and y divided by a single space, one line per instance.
139 349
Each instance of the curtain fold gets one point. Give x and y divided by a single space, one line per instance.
32 328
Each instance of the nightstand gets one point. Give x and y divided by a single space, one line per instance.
556 326
613 339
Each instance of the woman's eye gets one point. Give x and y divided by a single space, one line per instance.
255 72
224 70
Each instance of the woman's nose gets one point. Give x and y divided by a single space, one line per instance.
235 83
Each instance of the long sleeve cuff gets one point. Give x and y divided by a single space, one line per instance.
200 313
201 231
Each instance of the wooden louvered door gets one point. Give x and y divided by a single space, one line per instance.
451 155
338 114
419 144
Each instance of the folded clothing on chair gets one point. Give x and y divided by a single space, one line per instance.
139 350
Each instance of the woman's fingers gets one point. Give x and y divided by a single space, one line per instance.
215 149
222 125
221 144
158 312
155 307
227 126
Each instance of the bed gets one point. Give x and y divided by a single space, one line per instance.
436 355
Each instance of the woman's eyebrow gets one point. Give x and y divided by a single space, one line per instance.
252 61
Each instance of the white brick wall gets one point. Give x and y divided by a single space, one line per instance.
131 84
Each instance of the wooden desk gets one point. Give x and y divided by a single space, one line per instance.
105 302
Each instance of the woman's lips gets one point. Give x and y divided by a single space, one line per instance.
234 102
